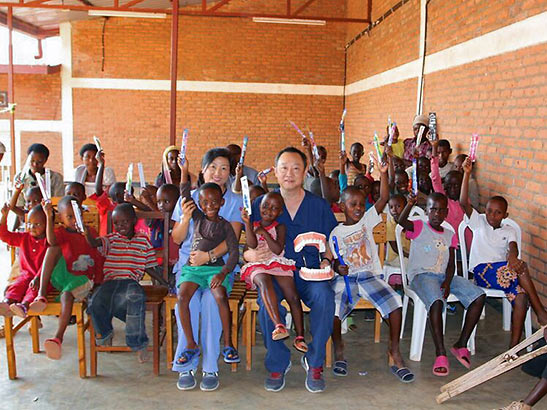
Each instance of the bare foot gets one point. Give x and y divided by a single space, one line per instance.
397 358
542 317
142 355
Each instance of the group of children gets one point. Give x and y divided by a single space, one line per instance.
55 252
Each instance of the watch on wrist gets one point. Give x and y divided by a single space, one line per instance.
212 257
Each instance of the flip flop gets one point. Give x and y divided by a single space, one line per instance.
19 309
230 355
403 374
39 304
463 356
5 309
441 362
340 368
187 355
53 348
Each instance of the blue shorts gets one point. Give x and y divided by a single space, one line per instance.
427 286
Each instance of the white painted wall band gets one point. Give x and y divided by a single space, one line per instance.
67 115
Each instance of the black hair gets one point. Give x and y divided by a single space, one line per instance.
499 198
357 144
34 190
401 172
38 149
423 158
210 185
398 197
315 188
445 143
88 147
37 208
126 209
437 196
361 176
274 194
335 174
349 191
213 154
170 189
258 188
75 184
291 150
116 186
375 183
321 148
462 156
235 147
454 173
65 201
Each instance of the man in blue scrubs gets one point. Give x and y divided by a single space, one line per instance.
302 212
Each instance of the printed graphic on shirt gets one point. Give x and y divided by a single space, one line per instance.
83 263
442 253
357 250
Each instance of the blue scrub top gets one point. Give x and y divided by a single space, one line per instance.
313 215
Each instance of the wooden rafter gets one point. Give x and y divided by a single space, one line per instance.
303 7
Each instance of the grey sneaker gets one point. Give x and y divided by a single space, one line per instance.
209 382
276 381
187 381
314 377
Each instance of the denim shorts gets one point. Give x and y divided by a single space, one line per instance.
427 286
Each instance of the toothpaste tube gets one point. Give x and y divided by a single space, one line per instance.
129 181
376 143
473 147
166 173
42 186
97 143
266 171
141 175
343 132
48 182
77 215
391 134
183 146
246 195
370 162
420 135
298 130
314 149
433 126
414 177
243 150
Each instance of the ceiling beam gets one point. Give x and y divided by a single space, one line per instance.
218 5
27 28
303 7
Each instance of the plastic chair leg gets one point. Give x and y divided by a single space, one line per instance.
507 310
405 308
344 326
528 326
418 331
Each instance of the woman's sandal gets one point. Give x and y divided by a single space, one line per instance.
441 362
39 304
340 368
280 332
18 309
300 344
53 348
463 356
404 374
187 355
230 355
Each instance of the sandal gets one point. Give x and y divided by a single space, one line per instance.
300 344
280 332
441 362
18 309
5 309
187 355
39 304
53 348
404 374
463 356
340 368
230 355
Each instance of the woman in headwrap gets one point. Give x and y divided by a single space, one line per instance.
424 149
169 166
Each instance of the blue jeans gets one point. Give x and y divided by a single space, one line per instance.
319 297
125 300
202 304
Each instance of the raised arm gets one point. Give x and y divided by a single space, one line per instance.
50 223
236 187
100 173
464 193
436 180
20 212
93 242
129 198
384 187
252 241
180 230
263 179
403 218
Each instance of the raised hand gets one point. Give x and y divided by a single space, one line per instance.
467 166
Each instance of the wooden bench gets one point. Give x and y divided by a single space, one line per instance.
235 300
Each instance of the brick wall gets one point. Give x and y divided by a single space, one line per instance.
52 140
501 98
38 96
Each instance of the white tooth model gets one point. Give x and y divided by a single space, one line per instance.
319 241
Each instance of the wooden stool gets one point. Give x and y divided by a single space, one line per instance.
53 309
234 300
154 300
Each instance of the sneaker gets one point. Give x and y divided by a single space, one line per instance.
209 382
314 377
276 381
451 309
187 381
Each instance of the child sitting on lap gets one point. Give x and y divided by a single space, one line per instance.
269 234
128 255
493 258
70 265
210 230
362 267
430 271
32 249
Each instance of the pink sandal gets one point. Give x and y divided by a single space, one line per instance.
38 305
441 362
18 309
280 332
53 348
5 309
300 344
463 356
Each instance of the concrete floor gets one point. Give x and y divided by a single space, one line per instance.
123 383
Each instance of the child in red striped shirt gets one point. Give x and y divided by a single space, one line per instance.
128 255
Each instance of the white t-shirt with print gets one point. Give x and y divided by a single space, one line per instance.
357 245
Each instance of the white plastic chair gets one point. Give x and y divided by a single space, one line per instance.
387 271
496 293
419 319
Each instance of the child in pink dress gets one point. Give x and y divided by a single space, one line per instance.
268 236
